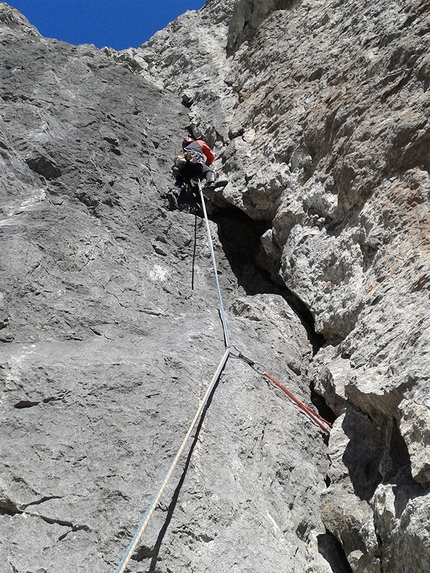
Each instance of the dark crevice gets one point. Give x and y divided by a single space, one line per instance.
320 404
8 507
363 453
398 454
256 273
62 522
400 474
332 551
306 317
9 512
377 453
42 500
22 404
44 166
25 404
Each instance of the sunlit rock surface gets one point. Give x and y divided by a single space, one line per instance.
319 115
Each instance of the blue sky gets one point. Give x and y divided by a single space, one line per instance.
118 24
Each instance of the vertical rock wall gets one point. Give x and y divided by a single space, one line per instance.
321 114
106 350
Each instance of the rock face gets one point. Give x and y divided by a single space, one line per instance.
107 350
319 115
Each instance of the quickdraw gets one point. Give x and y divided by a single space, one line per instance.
324 424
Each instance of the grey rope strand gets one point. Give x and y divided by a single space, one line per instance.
221 305
144 522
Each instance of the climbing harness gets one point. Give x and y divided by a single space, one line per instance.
144 522
314 416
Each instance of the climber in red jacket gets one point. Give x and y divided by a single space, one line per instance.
193 163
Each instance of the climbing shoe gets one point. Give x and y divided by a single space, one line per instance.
219 183
173 201
216 184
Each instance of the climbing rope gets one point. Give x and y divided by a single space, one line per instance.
194 252
314 416
145 520
221 305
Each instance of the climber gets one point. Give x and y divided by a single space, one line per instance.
192 164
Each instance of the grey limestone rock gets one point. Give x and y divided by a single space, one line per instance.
319 116
328 143
106 349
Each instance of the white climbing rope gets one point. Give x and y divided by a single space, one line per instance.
221 305
144 522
